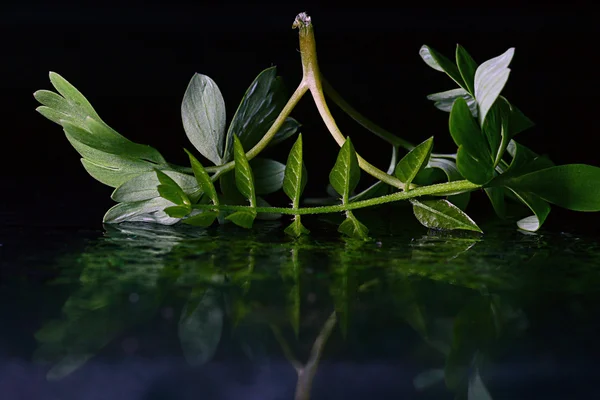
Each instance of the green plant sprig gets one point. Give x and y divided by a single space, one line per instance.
482 124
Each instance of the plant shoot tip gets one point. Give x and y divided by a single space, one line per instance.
302 21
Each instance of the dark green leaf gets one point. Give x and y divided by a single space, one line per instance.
144 187
259 108
472 169
346 173
203 179
441 214
573 186
200 328
466 132
518 122
490 78
445 100
496 196
177 211
440 63
203 115
524 161
412 163
268 175
295 176
244 178
245 219
170 190
539 207
467 67
353 227
296 229
288 129
203 219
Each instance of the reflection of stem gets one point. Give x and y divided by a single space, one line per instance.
306 372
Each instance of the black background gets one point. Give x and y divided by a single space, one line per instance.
133 61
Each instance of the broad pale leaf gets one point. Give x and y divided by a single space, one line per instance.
353 227
440 63
441 214
140 211
413 162
490 78
268 175
244 178
445 100
200 328
203 179
144 187
346 173
203 115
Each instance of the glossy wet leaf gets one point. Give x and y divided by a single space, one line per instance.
539 207
441 63
490 78
200 328
202 219
170 190
203 115
244 178
353 227
260 106
203 179
572 186
245 219
413 162
144 187
268 175
346 173
441 214
467 67
445 100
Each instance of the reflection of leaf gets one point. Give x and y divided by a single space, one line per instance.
477 389
67 365
200 328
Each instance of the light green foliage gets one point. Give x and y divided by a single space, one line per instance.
441 214
414 162
294 182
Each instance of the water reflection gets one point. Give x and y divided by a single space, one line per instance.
423 316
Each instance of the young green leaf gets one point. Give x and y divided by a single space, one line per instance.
467 67
177 211
203 219
413 162
295 176
445 100
170 190
245 219
345 174
490 78
203 179
203 115
440 63
296 229
441 214
260 106
353 227
294 181
268 175
244 178
573 186
144 187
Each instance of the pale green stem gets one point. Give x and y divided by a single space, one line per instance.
440 189
362 120
312 77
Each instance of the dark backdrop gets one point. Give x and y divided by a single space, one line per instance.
134 60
